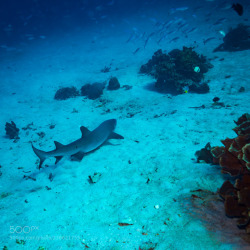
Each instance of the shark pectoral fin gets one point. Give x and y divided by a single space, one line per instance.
58 144
58 158
84 131
114 135
78 156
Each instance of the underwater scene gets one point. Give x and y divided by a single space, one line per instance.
125 124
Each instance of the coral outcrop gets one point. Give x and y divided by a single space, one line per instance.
66 93
237 39
11 130
178 71
113 84
92 91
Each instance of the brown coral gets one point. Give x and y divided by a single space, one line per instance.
246 155
243 125
234 159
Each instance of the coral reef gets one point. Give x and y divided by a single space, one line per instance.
66 93
237 39
113 84
92 91
234 159
178 71
11 130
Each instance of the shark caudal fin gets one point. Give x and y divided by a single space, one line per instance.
41 155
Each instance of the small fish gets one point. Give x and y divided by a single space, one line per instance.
192 30
185 89
238 8
222 33
130 38
220 21
170 32
146 42
208 39
167 24
136 51
162 38
182 25
173 10
174 39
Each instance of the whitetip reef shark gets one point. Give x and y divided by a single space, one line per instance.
89 141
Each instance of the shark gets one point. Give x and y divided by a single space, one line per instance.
89 141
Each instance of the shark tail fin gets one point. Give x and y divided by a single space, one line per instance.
41 155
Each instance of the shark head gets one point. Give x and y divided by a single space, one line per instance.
109 125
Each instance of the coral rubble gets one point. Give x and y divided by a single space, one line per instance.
178 71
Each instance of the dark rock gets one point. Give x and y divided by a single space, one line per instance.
204 154
199 88
66 93
216 99
11 130
242 89
92 91
113 84
51 126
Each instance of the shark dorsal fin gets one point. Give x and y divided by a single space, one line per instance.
84 131
58 144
